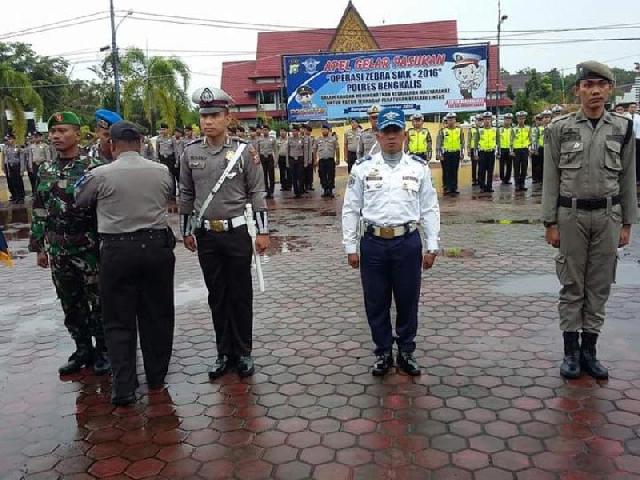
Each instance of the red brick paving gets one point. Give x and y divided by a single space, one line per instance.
490 404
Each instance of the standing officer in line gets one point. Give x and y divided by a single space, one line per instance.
37 153
393 193
472 144
104 120
285 172
225 249
505 147
188 134
536 160
367 144
253 137
589 202
327 152
351 140
130 196
556 111
521 143
65 238
295 156
267 152
450 147
635 118
419 139
14 165
166 151
310 161
487 146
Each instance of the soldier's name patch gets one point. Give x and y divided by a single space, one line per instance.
373 178
415 179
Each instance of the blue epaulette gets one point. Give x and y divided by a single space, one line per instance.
419 159
363 159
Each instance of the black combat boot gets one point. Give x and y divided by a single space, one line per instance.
383 364
82 357
588 360
220 367
407 362
101 363
245 366
570 367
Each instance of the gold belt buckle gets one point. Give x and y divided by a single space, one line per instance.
387 233
216 225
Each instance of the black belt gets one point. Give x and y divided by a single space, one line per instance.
147 234
588 203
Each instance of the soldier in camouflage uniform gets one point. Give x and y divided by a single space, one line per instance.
65 238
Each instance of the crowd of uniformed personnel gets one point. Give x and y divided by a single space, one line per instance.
93 216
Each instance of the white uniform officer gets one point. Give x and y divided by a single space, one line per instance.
393 190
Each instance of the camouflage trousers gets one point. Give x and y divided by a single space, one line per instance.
76 281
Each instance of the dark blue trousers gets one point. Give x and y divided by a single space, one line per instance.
391 267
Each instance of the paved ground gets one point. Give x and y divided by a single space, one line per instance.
490 406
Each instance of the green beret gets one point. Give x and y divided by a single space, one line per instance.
593 69
63 118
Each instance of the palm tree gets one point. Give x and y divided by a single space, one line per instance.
159 83
16 95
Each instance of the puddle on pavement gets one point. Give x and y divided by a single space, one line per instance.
628 275
521 221
288 244
15 223
190 292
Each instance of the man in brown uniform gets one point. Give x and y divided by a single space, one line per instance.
589 202
327 152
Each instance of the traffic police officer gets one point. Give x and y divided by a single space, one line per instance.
449 145
367 145
295 156
222 239
351 140
521 143
505 145
487 145
66 239
14 167
589 202
393 192
556 111
327 152
267 152
472 144
104 119
166 151
37 153
419 139
285 172
130 196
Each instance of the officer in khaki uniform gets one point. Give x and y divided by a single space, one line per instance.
351 140
589 202
220 232
419 139
295 158
281 148
368 143
327 153
267 151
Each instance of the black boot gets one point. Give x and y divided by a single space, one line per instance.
220 367
82 357
101 363
570 367
383 364
588 360
407 362
245 366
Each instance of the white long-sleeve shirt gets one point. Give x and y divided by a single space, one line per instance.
636 125
390 196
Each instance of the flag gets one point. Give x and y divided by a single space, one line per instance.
5 256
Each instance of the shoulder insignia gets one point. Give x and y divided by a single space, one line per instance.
194 142
238 140
363 159
563 117
418 159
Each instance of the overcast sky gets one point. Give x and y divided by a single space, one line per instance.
208 47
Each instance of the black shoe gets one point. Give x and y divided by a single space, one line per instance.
489 190
82 357
124 400
570 367
297 195
588 360
383 364
311 188
245 366
220 367
506 182
408 364
455 192
331 195
101 363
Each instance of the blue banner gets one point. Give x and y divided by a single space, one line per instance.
423 80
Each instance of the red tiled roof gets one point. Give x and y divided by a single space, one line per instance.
236 82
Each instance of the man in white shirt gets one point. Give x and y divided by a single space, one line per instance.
393 192
635 117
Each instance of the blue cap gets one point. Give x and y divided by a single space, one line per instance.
390 116
326 125
106 118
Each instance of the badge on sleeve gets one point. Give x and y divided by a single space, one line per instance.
352 180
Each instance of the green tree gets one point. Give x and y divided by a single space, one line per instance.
17 95
154 86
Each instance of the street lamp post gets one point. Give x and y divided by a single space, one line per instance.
501 19
114 58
